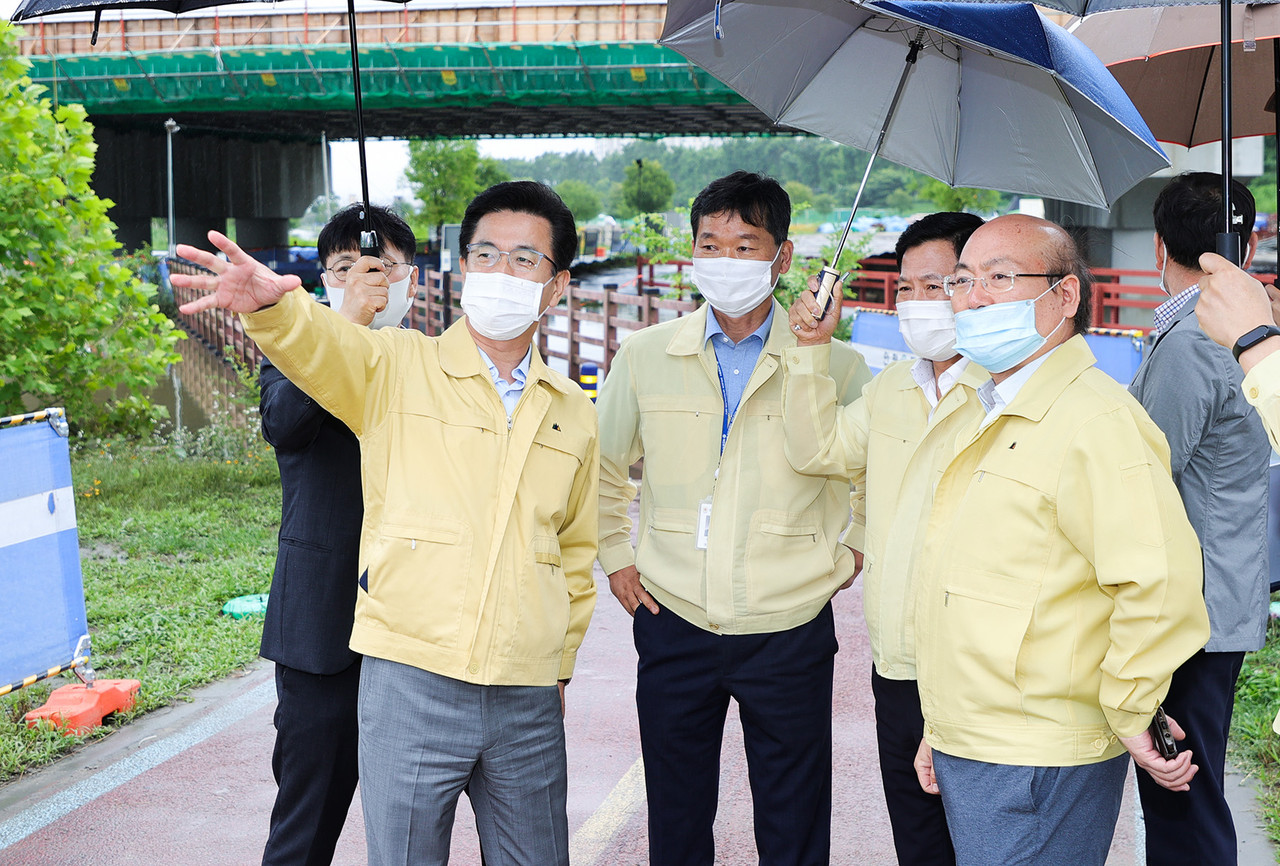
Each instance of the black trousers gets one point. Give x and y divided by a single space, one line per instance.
315 764
919 822
1195 826
782 683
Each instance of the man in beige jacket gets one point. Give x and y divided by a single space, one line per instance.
892 444
738 554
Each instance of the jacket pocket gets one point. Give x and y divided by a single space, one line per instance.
418 578
542 609
787 555
681 437
666 554
985 618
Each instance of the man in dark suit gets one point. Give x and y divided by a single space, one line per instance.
313 590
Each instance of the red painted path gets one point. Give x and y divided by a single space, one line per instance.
191 784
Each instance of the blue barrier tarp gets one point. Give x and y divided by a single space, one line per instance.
42 613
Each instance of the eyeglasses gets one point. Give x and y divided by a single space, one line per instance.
485 257
394 270
996 284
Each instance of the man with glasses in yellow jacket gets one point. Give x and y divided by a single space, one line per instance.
1060 582
892 444
738 554
479 467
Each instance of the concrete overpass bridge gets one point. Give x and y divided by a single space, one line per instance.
254 91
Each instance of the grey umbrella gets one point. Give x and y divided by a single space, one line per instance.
994 96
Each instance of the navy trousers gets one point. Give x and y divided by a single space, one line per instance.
782 683
919 821
315 763
1195 826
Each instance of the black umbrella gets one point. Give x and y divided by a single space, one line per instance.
29 9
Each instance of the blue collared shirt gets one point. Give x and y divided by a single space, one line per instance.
736 360
509 391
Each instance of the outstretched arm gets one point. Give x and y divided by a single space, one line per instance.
240 284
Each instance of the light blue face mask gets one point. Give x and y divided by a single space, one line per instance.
1000 336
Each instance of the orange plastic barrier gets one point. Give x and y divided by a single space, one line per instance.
78 709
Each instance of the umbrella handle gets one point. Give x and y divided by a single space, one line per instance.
827 279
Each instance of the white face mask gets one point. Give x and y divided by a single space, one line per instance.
398 302
732 286
501 306
929 328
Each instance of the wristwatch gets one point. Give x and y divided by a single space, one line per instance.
1253 338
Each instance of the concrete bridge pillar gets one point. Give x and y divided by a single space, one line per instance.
253 233
260 183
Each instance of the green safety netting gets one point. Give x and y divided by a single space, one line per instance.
393 76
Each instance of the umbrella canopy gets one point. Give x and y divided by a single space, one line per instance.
1037 114
1168 60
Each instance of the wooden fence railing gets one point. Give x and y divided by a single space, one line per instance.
609 315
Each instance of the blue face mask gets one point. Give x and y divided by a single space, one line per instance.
1001 336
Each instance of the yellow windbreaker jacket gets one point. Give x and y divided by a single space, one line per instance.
893 453
772 559
1262 390
479 535
1061 583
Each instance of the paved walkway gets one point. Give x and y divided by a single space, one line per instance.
192 783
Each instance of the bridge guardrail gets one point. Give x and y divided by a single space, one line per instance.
148 31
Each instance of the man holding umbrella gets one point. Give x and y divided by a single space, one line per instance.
891 443
1219 455
738 556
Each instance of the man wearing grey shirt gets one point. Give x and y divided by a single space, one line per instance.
1219 454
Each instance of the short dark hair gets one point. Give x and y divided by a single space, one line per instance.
531 197
342 232
760 201
1066 257
953 226
1188 215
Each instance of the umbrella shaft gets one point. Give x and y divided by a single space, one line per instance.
912 53
355 71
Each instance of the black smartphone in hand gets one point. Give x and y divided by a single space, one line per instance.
1162 736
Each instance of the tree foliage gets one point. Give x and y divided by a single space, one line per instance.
581 199
444 177
946 198
77 328
646 187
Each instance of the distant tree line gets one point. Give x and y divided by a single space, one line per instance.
817 172
648 176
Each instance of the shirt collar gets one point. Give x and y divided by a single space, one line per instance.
922 372
1165 314
520 374
996 397
713 328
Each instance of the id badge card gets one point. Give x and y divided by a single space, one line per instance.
704 524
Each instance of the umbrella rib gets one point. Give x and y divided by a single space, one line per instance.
1195 115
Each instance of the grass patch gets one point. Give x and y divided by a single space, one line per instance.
169 531
1254 747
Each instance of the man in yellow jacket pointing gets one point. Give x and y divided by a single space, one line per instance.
479 467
